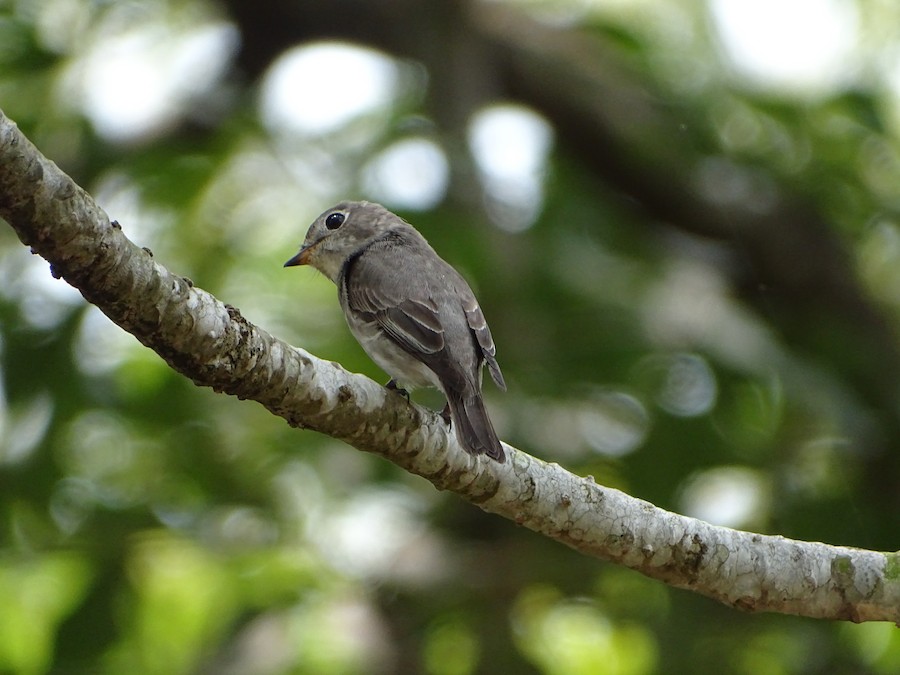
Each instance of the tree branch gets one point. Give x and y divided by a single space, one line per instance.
213 345
635 138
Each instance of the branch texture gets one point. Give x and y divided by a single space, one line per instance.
630 133
213 345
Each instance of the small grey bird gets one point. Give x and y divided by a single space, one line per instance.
413 314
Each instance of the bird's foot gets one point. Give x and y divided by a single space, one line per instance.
393 386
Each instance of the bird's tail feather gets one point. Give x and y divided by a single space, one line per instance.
473 426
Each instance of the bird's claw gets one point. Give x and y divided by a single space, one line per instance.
393 386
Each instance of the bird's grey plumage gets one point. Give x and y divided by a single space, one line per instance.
410 310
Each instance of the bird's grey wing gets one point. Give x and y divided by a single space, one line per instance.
478 325
376 288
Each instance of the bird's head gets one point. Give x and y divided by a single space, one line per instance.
341 231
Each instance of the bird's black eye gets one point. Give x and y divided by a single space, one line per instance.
334 221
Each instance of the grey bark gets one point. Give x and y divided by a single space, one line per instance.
638 140
213 345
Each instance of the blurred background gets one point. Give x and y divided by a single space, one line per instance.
682 219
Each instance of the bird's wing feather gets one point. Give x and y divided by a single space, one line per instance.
375 288
478 325
376 285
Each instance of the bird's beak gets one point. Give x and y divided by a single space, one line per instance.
302 258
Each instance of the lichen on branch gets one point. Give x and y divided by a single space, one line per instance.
215 346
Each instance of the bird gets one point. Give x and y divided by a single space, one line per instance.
410 310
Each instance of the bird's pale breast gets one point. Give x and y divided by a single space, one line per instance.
408 372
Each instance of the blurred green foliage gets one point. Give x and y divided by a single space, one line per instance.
152 527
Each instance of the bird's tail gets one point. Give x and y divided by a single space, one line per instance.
473 426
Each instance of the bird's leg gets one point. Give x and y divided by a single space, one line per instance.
393 386
445 413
